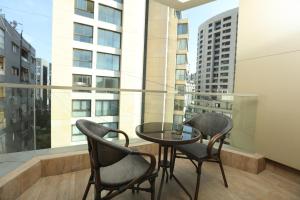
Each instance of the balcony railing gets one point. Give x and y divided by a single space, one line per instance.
47 122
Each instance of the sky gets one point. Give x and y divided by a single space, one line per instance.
197 16
36 19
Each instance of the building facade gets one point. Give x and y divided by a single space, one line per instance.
17 65
109 44
43 78
216 53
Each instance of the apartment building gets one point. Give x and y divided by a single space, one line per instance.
43 78
17 65
181 68
216 53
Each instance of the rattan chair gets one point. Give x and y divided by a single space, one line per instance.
115 168
213 126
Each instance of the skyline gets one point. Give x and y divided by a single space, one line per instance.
37 25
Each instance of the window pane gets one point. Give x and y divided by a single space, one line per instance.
82 58
107 107
109 38
108 61
81 108
182 29
180 74
182 44
77 136
1 38
178 119
107 82
83 33
110 15
181 59
84 8
179 105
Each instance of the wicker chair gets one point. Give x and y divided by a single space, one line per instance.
211 125
115 168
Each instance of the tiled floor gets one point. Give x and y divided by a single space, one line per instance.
242 185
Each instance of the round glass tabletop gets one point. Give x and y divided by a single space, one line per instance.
168 133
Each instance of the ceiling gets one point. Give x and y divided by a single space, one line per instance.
183 4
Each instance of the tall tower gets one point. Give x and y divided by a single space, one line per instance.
216 53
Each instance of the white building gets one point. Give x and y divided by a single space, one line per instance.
216 53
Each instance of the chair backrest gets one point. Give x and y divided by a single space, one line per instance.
102 152
211 123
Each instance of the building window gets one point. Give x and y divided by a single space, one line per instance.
82 81
180 89
177 119
107 82
112 125
82 58
1 38
182 44
225 68
83 33
84 8
110 15
108 61
109 38
227 31
181 59
182 29
1 63
178 105
14 71
107 107
77 136
180 74
227 18
15 48
119 1
81 108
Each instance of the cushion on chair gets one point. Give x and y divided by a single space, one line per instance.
123 171
196 151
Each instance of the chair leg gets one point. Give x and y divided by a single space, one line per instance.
152 185
87 189
223 173
198 180
172 162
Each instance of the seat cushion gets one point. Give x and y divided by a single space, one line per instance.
196 151
124 171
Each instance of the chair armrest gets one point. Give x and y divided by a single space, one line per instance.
123 133
212 141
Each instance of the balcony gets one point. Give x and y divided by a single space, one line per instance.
66 164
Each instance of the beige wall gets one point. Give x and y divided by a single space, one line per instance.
268 60
161 57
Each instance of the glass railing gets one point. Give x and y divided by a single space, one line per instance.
33 117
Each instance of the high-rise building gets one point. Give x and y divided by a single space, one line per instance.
113 45
17 65
216 53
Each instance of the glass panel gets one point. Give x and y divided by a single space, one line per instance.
83 33
178 105
182 29
181 59
84 8
81 108
107 82
110 15
107 107
108 61
180 74
109 38
82 58
182 44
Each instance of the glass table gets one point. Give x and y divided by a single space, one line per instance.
167 135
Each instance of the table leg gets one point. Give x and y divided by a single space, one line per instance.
164 167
